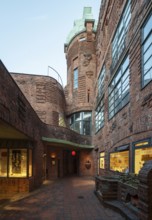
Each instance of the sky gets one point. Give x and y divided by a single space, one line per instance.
33 34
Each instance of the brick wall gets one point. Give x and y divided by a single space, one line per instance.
45 95
133 122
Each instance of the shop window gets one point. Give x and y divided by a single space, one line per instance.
119 161
143 153
147 52
102 160
118 43
16 162
119 89
3 162
81 122
30 162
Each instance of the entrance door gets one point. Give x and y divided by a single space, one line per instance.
70 163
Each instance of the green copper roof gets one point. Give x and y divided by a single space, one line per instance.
79 25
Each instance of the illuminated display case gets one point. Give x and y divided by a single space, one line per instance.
119 161
15 161
102 160
142 153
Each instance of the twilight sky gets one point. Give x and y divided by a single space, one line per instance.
33 33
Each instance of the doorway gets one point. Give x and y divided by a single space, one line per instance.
70 163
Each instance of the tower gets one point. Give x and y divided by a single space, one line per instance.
81 68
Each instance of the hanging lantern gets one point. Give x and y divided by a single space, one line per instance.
73 153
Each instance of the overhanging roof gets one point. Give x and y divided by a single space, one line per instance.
64 143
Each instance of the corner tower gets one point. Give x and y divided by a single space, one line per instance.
81 68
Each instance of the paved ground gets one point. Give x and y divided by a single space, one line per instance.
64 199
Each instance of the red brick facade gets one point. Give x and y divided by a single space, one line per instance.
25 97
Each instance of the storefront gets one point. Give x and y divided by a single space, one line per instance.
15 164
119 159
142 152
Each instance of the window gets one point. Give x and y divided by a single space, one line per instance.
147 52
142 153
3 162
119 161
81 122
102 160
118 43
99 116
15 162
119 89
75 78
101 83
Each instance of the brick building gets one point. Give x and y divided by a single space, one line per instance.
101 122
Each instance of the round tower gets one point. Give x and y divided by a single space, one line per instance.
81 68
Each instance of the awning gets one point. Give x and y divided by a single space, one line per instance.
66 144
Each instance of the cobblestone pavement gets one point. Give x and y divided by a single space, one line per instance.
64 199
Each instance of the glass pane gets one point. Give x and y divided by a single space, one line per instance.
75 78
119 161
118 76
30 163
102 163
77 127
125 64
111 114
141 156
77 117
148 77
148 65
87 116
86 128
18 163
148 54
147 43
3 162
148 27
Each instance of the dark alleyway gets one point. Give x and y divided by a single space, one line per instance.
64 199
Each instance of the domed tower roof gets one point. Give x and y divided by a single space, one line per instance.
79 25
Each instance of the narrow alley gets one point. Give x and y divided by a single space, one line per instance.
70 198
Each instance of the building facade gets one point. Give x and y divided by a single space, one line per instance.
123 86
101 122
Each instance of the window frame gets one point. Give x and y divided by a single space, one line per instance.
125 148
75 78
118 42
100 158
99 120
143 43
117 99
81 121
101 83
148 145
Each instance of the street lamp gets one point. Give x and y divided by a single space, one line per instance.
59 77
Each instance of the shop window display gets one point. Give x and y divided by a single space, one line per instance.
119 161
102 160
18 163
141 156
